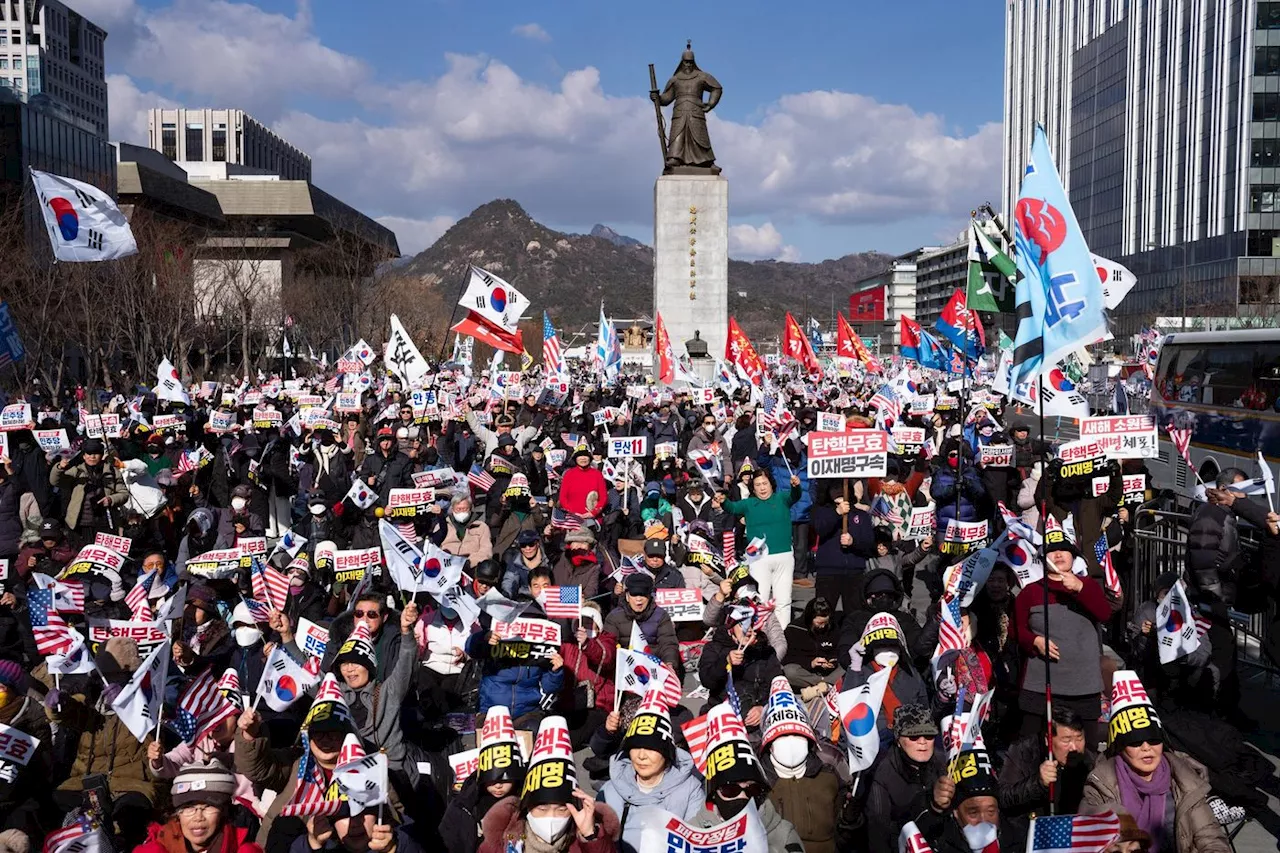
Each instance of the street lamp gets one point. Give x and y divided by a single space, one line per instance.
1182 275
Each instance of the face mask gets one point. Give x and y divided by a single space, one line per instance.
246 637
954 462
238 504
790 750
881 602
886 659
461 517
317 509
548 828
295 584
980 835
730 808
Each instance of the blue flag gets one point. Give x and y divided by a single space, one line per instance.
1060 303
931 353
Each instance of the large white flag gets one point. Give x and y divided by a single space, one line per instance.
363 777
169 384
84 224
138 705
433 570
859 709
402 357
284 679
493 299
1176 625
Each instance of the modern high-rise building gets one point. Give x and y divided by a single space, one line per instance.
224 136
1164 120
46 48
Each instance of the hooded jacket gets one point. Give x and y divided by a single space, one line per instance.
680 792
460 828
1195 828
810 803
505 823
656 625
752 680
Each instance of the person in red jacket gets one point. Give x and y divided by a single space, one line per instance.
1058 622
582 490
589 665
201 822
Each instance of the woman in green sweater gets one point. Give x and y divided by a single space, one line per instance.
768 513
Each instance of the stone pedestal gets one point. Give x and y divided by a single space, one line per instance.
691 258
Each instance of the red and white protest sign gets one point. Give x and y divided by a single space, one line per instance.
908 439
628 446
1135 488
252 546
408 503
527 638
682 604
831 422
352 565
119 544
856 453
51 440
147 635
702 396
16 416
163 422
961 537
1083 450
95 558
923 522
463 764
1123 436
16 746
347 401
311 638
267 418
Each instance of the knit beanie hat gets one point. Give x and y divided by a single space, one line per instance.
783 715
1133 717
358 648
651 726
500 758
12 676
552 775
210 783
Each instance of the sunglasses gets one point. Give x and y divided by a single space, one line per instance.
1151 741
373 614
921 738
733 790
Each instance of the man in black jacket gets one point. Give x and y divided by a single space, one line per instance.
903 777
736 645
383 470
1028 771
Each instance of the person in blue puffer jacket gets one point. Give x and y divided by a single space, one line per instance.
949 483
526 688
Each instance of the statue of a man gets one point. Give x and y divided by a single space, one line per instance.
689 143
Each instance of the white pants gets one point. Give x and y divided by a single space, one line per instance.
773 574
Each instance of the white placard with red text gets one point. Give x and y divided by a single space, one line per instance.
856 453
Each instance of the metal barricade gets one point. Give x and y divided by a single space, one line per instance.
1160 529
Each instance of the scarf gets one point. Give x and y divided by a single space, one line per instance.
1146 802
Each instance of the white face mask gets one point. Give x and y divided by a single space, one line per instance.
317 509
548 828
979 835
246 637
238 504
461 516
886 658
789 751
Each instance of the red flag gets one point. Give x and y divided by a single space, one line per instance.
847 339
738 351
666 358
487 333
796 345
909 335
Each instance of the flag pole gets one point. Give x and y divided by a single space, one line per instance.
1044 587
444 340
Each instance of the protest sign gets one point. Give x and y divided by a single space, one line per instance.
437 478
220 422
267 419
702 396
52 440
922 522
945 403
409 503
664 449
251 546
830 422
996 455
961 537
907 439
1083 458
16 416
4 570
110 425
1135 488
94 559
311 638
147 635
16 746
628 446
921 405
857 453
222 563
347 401
682 604
463 764
526 639
1123 436
163 422
352 565
119 544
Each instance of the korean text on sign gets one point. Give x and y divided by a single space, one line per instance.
857 453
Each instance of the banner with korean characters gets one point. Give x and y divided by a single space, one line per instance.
147 635
168 422
1083 458
311 638
856 453
52 440
908 440
220 421
222 563
921 405
682 604
831 422
347 402
944 403
1123 436
119 544
996 455
352 565
102 426
16 416
961 537
409 503
267 419
923 522
94 559
526 639
628 446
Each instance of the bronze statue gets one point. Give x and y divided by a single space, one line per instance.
688 149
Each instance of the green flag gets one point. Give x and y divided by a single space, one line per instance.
991 275
1006 342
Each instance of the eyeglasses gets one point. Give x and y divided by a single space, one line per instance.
197 808
1147 742
372 614
733 790
918 738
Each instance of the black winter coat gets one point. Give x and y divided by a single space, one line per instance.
460 828
393 472
832 558
10 519
1021 791
900 790
752 680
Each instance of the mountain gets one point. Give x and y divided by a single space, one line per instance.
569 274
607 233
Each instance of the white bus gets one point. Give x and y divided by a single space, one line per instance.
1225 387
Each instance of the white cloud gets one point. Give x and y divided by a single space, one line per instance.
127 109
414 235
750 243
533 32
424 151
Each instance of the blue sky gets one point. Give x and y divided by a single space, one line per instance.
844 126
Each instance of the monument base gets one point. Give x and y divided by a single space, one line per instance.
691 259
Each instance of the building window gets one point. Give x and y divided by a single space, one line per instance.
4 62
169 141
1268 15
195 143
1264 199
1266 60
220 145
17 63
1266 106
1265 152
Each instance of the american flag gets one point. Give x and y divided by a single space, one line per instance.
1103 553
1073 833
269 584
83 836
137 599
629 565
201 707
1202 626
950 636
552 360
563 520
1181 439
53 635
695 735
480 479
68 596
729 547
561 602
731 693
886 400
884 510
259 611
775 416
310 792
